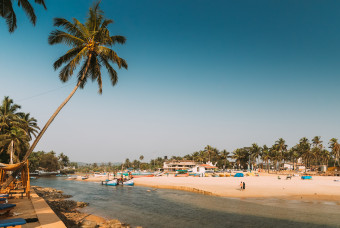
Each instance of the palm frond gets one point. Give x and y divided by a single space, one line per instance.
27 7
70 27
8 14
112 73
85 32
112 56
118 39
67 70
58 36
68 56
41 2
94 72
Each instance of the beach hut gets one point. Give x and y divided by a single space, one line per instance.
239 175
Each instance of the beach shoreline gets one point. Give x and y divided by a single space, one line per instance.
320 188
68 210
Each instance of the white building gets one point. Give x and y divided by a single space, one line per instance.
173 166
202 168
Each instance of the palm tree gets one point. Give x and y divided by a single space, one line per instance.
7 12
265 155
335 146
238 155
141 158
209 150
30 125
281 148
305 151
225 155
9 114
16 140
255 152
90 44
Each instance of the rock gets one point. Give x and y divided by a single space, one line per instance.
88 224
82 204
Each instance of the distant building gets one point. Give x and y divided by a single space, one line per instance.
173 165
202 168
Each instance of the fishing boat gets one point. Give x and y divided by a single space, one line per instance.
110 182
129 183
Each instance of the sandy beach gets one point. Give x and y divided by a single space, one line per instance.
319 188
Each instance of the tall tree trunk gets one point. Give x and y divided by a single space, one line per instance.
11 153
41 133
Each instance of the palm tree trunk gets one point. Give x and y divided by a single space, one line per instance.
41 133
11 154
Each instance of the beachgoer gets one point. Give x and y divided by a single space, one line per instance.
241 186
244 185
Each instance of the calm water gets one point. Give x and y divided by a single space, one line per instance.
173 208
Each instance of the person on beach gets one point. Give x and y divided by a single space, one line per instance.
244 185
241 186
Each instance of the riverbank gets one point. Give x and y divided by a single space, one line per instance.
319 188
67 210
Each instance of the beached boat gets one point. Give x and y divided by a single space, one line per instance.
129 183
306 177
110 182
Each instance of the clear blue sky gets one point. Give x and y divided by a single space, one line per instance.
223 73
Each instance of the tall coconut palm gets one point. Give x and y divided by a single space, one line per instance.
281 148
209 150
305 151
335 146
7 11
255 152
225 155
265 155
90 46
239 155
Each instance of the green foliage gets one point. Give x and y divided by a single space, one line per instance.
16 130
7 12
90 47
41 160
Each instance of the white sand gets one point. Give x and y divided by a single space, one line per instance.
319 188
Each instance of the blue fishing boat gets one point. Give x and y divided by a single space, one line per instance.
110 182
306 177
129 183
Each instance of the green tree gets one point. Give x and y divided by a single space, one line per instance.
265 155
7 12
335 147
64 160
16 140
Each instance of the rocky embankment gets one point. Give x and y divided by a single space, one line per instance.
67 211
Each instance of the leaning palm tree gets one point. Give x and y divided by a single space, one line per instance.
90 47
7 12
